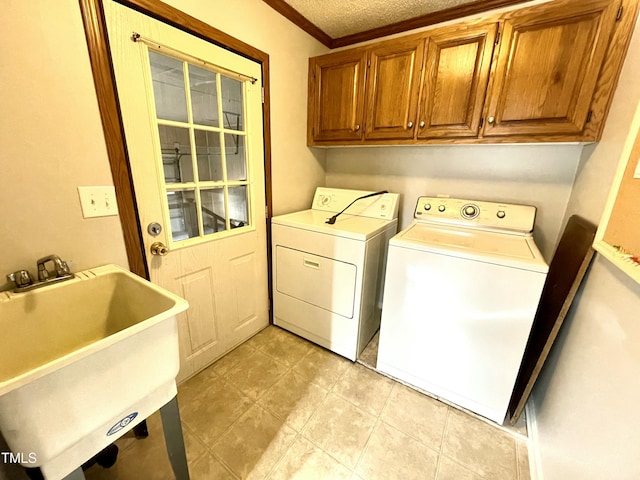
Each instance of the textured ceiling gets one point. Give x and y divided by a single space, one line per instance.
339 18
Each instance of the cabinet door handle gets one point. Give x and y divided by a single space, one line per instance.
410 125
422 124
491 120
356 128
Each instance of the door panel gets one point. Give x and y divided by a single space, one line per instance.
336 95
547 70
393 85
455 81
193 124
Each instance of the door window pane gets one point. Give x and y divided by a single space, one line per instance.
203 141
183 214
209 155
176 154
232 103
168 87
213 211
238 206
204 96
236 160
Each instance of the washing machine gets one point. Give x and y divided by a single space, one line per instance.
463 282
328 267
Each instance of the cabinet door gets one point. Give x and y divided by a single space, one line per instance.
392 88
547 69
455 81
336 96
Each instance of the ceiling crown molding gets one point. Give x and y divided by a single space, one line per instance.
453 13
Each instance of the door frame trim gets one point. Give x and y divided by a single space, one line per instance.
94 22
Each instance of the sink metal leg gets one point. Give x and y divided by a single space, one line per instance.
75 475
173 439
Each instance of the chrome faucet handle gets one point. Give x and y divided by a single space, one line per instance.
21 278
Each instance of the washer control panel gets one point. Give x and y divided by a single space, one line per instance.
333 200
478 214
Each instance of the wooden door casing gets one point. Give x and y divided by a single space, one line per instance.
393 85
336 96
547 68
455 81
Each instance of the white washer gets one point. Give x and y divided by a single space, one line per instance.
462 287
327 279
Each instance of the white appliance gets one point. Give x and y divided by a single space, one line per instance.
327 278
462 286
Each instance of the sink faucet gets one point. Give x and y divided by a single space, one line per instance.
24 282
61 267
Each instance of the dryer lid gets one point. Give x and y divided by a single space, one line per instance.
518 251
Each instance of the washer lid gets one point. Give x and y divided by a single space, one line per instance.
513 250
348 226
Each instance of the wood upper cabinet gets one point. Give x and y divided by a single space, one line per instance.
457 67
547 68
393 85
336 96
544 73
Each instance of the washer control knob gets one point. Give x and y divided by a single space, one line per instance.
500 214
470 210
427 206
441 208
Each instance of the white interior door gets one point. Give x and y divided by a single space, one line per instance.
192 114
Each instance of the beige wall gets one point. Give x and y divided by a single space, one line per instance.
297 170
51 136
540 175
51 141
586 401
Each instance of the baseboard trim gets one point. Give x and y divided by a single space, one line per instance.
533 445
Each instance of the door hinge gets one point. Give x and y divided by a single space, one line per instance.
619 14
481 122
589 116
266 212
262 94
368 63
497 38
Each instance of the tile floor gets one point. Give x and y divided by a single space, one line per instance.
279 407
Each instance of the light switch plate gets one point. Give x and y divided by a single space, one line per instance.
98 201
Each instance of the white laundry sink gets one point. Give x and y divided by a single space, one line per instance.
82 362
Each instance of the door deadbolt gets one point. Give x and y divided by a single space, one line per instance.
159 249
154 229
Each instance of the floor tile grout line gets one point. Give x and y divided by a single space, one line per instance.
442 440
315 444
366 445
281 459
210 451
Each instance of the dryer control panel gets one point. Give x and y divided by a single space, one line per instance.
476 214
333 200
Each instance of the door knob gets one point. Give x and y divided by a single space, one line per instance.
159 248
410 125
491 120
356 128
421 124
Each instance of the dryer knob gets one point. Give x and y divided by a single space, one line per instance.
500 214
441 208
427 206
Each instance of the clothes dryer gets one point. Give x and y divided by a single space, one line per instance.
328 277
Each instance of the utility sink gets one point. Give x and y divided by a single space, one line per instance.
82 362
